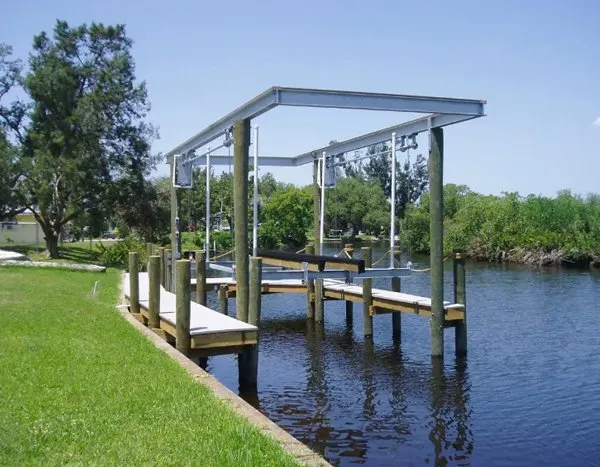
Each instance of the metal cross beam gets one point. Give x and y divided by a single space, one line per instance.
418 125
330 99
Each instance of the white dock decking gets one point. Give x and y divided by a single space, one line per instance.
208 328
384 301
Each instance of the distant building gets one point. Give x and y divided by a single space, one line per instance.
22 229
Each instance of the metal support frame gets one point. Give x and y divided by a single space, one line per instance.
440 112
412 127
207 213
277 273
299 97
393 202
255 195
322 213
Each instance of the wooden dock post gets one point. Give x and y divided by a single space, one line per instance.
319 303
200 257
241 138
169 261
248 360
348 248
436 229
134 282
154 295
396 287
149 250
223 298
316 208
310 288
460 296
318 283
367 256
163 266
183 339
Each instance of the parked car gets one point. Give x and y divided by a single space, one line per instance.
109 235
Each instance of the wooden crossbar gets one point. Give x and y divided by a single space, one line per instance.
316 263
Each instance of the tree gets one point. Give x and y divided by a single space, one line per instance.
412 178
357 205
87 136
11 117
286 217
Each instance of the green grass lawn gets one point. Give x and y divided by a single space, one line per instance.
80 385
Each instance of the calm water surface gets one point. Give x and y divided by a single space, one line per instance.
527 394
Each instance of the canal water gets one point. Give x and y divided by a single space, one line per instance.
527 394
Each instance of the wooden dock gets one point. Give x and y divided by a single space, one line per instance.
211 332
383 301
268 286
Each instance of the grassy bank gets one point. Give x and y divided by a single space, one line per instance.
79 385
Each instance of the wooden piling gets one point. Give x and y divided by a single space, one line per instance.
310 288
154 289
396 287
182 308
134 282
348 248
169 261
241 138
316 208
255 291
436 229
319 303
318 283
163 266
223 298
460 296
248 360
367 256
200 257
148 253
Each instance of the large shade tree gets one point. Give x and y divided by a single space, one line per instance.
12 113
87 145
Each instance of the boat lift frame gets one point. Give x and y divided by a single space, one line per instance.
445 111
439 112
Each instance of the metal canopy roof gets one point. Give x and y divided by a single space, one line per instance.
445 111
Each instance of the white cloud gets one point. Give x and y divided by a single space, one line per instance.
597 122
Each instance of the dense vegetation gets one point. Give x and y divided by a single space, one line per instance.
525 229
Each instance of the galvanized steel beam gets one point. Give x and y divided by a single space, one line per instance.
329 99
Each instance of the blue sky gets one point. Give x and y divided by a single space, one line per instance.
537 63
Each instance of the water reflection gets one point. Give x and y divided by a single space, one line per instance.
450 412
359 402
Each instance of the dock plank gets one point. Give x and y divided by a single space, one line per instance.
203 320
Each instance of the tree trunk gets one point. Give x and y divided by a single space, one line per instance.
51 245
51 239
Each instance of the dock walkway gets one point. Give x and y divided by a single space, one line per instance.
211 332
384 301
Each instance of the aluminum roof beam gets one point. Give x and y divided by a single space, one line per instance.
330 99
270 161
380 136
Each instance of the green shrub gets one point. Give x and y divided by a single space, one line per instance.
117 255
223 240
